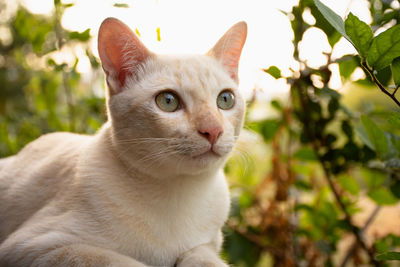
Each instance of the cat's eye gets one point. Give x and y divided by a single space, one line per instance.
225 100
167 101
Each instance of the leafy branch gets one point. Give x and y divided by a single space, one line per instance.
353 248
317 142
308 101
379 84
316 128
376 52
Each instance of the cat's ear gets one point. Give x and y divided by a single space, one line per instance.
121 52
229 47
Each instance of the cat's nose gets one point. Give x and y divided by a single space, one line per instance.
211 133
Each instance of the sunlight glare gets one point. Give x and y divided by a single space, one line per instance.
39 6
194 27
313 46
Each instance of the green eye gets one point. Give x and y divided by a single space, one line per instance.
167 101
225 100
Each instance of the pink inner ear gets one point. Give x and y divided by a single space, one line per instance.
120 52
120 63
229 48
122 76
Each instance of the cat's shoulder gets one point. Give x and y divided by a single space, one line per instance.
53 145
47 156
65 136
57 140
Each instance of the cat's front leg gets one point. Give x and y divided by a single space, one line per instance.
86 255
38 254
201 256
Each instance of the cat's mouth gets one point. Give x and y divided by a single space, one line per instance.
209 153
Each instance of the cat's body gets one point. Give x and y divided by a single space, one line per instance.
148 188
153 223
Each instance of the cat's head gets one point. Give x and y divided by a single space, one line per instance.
172 114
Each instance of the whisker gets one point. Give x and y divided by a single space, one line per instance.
242 158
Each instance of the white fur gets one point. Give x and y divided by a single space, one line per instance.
139 192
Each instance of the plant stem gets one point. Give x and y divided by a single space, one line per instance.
69 101
354 229
67 89
255 239
354 246
378 83
304 99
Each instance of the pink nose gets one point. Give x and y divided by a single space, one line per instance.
211 133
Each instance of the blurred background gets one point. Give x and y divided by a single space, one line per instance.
310 184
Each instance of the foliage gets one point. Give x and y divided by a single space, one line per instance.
39 92
326 157
320 158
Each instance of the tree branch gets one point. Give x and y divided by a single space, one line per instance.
378 83
354 229
253 238
304 98
354 246
67 90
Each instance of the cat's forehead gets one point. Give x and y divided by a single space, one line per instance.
198 74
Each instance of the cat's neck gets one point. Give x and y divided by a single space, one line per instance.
105 172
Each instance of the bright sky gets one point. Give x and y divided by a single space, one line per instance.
192 26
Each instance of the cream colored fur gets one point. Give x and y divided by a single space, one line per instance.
143 191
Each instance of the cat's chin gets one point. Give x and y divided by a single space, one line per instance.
207 159
208 154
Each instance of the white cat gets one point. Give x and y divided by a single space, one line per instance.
148 189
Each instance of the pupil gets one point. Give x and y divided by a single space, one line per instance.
168 99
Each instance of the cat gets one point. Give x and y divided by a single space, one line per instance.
148 188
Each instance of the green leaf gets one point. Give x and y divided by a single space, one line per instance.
241 250
387 243
360 34
246 199
68 5
389 256
93 60
302 185
333 106
33 29
347 129
384 48
122 5
81 36
381 245
394 119
375 135
323 24
269 128
277 105
349 183
347 65
330 92
373 178
334 19
384 75
395 142
274 72
395 189
382 196
396 71
305 154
